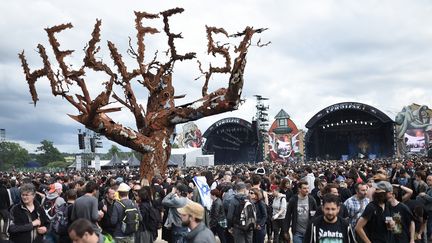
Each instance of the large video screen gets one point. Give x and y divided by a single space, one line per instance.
415 140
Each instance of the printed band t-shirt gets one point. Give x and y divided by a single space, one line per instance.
303 214
330 233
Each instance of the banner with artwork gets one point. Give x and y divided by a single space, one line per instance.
190 136
413 130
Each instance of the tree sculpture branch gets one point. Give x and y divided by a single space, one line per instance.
155 125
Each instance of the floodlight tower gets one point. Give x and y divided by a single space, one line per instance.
2 135
261 126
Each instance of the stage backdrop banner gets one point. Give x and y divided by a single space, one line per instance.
204 191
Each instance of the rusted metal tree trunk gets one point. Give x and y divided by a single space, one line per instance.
155 125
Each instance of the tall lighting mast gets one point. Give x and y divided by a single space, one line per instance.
261 125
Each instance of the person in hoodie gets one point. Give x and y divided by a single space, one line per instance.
192 215
233 222
55 190
279 207
50 204
28 220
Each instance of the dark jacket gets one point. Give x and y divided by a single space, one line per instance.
201 234
105 223
217 212
232 208
118 215
313 230
291 214
261 213
21 229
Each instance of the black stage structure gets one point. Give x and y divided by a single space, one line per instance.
231 140
349 130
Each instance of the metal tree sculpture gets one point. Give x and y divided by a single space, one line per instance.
156 124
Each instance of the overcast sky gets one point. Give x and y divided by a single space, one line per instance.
322 52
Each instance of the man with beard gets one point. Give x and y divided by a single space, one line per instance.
375 224
357 203
192 215
329 227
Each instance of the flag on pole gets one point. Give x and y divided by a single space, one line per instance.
204 191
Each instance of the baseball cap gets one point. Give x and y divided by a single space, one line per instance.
123 187
192 208
383 185
55 186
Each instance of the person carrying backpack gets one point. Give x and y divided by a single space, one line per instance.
126 216
152 220
51 204
241 217
62 219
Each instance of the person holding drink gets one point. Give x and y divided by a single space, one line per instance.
376 224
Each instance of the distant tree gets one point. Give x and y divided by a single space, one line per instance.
49 153
58 164
12 154
114 150
154 124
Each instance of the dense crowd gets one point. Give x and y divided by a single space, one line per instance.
326 201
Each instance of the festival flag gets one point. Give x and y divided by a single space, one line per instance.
204 191
294 141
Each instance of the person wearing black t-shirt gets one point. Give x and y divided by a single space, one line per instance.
404 229
329 228
372 226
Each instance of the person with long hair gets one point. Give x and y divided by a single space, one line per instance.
218 222
257 198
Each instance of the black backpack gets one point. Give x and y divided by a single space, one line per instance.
153 221
49 207
130 221
60 221
245 215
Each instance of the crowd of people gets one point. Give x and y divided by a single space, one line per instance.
384 200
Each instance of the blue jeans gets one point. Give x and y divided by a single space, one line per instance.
429 225
298 238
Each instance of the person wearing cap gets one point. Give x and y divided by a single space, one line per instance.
375 224
118 214
177 198
192 215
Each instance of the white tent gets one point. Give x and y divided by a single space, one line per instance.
184 157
